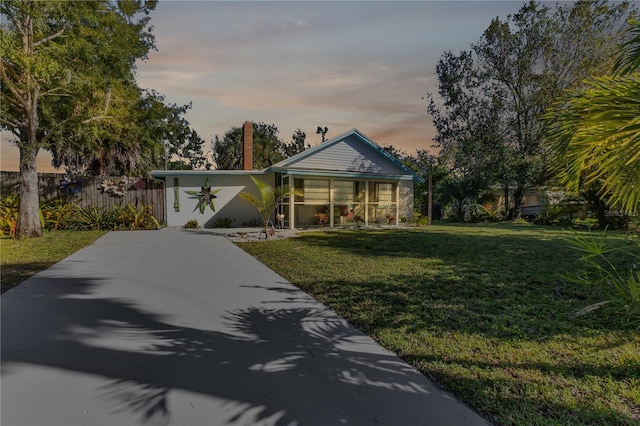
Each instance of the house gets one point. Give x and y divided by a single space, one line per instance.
342 180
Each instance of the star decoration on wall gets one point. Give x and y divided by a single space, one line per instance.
205 197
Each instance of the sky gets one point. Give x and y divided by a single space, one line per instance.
304 64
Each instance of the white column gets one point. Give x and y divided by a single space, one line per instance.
366 203
292 201
331 218
397 215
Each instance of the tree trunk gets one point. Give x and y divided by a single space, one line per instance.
29 215
518 195
506 201
597 206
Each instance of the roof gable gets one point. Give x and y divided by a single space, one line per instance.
351 152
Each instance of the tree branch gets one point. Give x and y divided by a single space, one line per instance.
99 117
9 123
51 91
49 38
10 86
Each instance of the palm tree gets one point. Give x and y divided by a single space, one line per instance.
596 131
267 200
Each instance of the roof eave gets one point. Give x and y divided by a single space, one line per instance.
163 173
344 174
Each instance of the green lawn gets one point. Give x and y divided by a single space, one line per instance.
22 258
482 310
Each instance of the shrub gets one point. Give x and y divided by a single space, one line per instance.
9 215
560 209
549 215
191 224
56 214
223 222
422 221
129 217
72 217
613 266
483 213
253 222
60 215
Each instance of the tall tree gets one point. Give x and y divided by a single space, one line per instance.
297 144
424 163
63 66
513 73
510 54
128 141
268 149
184 147
470 128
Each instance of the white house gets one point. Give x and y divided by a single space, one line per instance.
342 180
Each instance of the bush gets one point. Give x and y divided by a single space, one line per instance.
560 209
422 221
72 217
616 267
483 213
60 215
191 224
223 222
253 222
129 217
56 214
549 215
9 215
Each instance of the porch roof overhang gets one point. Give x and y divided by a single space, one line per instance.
165 173
339 174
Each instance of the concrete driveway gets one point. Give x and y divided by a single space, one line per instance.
183 328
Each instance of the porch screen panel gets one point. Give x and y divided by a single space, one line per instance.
283 208
343 192
315 191
359 197
313 206
343 201
382 192
382 201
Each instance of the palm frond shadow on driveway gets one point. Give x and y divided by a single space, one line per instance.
144 358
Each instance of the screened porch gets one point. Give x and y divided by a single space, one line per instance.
338 202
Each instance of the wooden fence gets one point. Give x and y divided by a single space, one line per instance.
140 192
48 184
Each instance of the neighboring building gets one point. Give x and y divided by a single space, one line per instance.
532 202
344 179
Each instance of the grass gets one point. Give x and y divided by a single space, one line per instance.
22 258
480 309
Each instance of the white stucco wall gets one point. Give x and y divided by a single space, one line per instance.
405 203
227 203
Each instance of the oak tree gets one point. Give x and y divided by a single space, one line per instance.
65 67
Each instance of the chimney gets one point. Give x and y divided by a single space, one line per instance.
247 146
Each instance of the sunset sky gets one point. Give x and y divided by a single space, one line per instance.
344 65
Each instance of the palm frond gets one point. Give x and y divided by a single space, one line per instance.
628 60
596 133
268 198
251 199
